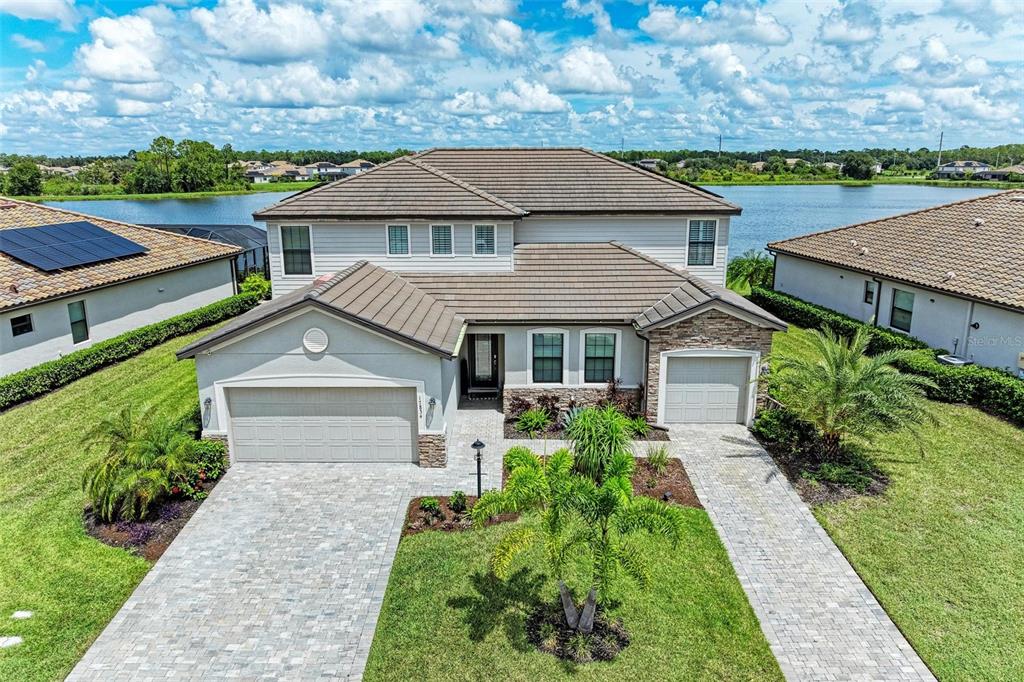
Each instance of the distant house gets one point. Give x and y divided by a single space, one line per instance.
258 177
1002 173
356 166
649 164
876 168
792 162
832 166
958 169
949 275
758 166
106 278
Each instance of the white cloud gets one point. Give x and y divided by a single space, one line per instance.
504 36
585 70
531 98
716 22
34 70
593 9
247 33
26 43
125 49
133 107
146 92
933 63
969 102
903 100
468 103
62 12
853 23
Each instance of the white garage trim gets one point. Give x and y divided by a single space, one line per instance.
754 359
316 381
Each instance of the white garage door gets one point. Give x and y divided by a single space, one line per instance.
323 424
706 390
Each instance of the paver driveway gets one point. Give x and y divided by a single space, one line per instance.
281 572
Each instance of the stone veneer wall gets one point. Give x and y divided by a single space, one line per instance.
433 450
579 395
713 329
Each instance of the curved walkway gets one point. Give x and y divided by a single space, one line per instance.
820 619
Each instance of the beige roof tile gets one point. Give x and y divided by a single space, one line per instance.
22 284
972 248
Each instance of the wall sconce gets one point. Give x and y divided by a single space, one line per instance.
207 406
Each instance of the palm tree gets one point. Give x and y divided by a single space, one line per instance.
752 269
845 393
597 435
578 517
142 460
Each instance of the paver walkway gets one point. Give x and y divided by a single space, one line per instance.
281 572
820 619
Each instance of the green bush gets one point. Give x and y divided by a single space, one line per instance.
534 420
990 389
35 381
457 501
257 284
517 456
639 426
431 505
783 429
811 316
657 457
598 435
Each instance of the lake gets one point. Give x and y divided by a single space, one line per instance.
770 212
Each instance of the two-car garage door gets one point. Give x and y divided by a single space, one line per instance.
323 424
706 390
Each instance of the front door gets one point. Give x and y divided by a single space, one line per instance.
483 362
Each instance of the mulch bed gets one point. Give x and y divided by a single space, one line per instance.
558 433
546 630
151 537
417 520
675 482
795 465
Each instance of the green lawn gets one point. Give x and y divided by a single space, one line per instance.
445 618
943 548
48 565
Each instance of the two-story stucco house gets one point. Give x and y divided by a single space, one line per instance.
454 272
69 280
951 275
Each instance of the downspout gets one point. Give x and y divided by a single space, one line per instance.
647 369
967 333
878 300
775 266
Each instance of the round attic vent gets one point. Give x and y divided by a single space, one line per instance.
315 340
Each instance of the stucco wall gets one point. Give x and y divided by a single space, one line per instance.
940 320
112 311
277 351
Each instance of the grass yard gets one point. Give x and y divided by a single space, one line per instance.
445 618
943 548
72 583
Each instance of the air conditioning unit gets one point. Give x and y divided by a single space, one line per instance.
954 360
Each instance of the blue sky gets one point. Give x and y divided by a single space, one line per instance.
105 77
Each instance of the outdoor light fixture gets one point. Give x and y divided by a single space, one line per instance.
206 411
478 445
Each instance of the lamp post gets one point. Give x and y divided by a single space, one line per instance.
478 446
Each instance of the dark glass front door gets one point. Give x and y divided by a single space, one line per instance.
483 361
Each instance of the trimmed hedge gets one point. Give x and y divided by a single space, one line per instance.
35 381
990 389
809 315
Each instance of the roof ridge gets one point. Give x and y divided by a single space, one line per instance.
926 209
36 204
662 178
483 194
318 289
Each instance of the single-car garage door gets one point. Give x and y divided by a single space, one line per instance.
706 390
323 424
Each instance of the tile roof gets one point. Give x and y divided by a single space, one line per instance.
21 284
520 180
972 248
404 187
367 295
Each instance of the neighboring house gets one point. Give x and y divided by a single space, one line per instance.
649 164
1003 173
126 276
758 166
480 272
832 166
251 239
258 177
876 168
957 169
356 166
791 162
950 275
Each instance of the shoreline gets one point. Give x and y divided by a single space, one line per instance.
299 186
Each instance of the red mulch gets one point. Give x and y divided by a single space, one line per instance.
675 481
418 520
151 537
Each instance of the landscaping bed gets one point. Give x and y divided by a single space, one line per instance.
150 537
420 517
673 482
556 432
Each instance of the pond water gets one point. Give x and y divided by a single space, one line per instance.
770 212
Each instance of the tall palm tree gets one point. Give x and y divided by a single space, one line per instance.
843 392
142 459
578 517
752 269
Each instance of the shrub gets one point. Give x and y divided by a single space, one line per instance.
639 426
191 422
783 429
457 501
256 284
625 402
431 505
518 456
657 457
516 407
208 462
35 381
534 420
597 436
548 403
569 416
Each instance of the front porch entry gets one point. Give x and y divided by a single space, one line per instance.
481 366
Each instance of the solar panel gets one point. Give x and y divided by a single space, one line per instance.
65 245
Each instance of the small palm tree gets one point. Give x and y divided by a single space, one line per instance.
752 269
578 517
597 435
142 460
845 393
